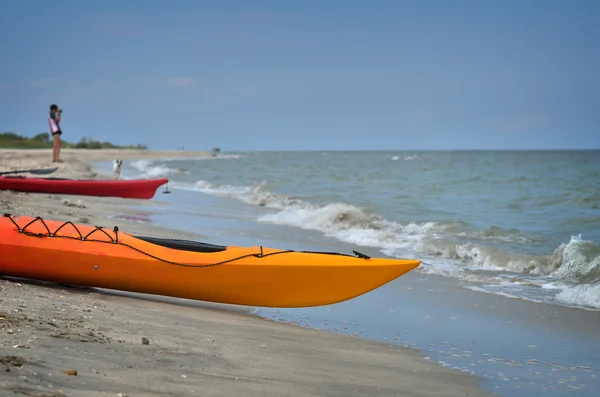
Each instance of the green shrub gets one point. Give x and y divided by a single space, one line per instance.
11 140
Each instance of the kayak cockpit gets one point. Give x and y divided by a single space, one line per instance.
183 245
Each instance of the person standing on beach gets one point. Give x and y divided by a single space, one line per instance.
54 122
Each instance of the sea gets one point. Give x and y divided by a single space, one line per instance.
517 225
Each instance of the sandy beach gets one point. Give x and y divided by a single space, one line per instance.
57 341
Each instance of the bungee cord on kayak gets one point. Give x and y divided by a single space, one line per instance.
115 240
64 252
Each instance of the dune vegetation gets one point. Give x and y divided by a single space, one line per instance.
11 140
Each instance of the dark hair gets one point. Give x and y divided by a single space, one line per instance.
53 107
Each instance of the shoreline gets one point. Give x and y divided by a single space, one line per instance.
214 349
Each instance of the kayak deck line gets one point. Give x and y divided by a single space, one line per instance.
169 243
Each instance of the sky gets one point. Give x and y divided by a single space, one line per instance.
306 75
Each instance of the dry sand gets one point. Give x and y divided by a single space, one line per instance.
139 345
76 162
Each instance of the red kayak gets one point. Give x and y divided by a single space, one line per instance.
139 188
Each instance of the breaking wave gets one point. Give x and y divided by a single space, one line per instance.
446 248
149 169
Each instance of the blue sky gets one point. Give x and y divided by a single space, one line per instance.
268 75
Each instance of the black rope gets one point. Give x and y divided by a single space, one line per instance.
115 240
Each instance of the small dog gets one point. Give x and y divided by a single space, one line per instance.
117 168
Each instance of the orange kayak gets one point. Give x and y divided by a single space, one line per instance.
84 255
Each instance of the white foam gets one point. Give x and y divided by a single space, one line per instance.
488 258
152 170
407 158
352 225
576 261
580 295
580 261
343 221
257 194
413 157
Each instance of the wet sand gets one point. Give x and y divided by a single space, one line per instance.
58 341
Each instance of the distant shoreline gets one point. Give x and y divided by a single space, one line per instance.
405 150
92 155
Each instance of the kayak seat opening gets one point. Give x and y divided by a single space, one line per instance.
183 245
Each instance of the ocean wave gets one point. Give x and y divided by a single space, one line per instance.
218 156
257 194
580 295
441 245
408 158
578 260
488 258
149 169
496 233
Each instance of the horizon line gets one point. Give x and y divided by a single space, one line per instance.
409 150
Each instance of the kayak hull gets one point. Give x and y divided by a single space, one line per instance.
255 276
139 189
